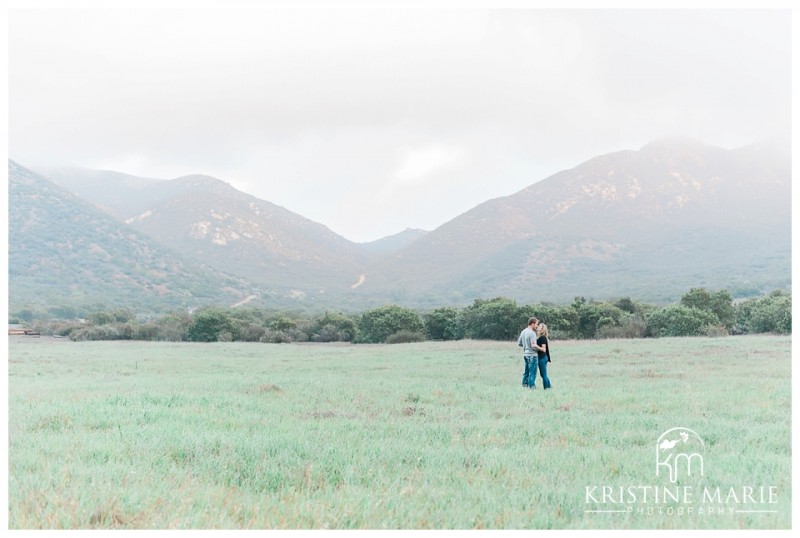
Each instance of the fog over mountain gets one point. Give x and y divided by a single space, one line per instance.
371 121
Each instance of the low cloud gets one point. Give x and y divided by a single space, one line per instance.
355 117
419 164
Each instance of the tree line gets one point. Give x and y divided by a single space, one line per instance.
699 312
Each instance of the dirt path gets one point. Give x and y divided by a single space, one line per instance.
244 301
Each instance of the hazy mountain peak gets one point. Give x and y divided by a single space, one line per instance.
676 144
201 181
396 241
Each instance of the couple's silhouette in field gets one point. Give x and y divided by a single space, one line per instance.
535 353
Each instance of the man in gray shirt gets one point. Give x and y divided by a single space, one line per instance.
527 341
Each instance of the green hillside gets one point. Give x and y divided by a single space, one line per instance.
63 251
648 224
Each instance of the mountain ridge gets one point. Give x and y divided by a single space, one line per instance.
647 223
665 192
62 250
206 218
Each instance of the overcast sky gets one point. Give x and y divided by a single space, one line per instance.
373 121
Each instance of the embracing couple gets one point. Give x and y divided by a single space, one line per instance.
535 353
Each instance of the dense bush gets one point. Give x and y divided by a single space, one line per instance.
629 326
147 331
116 331
250 331
495 319
55 327
376 325
209 324
172 327
679 320
592 317
770 314
332 327
718 303
444 324
626 305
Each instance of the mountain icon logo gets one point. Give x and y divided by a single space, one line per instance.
680 451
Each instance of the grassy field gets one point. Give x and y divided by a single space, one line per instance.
430 435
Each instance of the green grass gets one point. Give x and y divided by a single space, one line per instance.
428 435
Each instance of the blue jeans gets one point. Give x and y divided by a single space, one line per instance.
542 361
530 363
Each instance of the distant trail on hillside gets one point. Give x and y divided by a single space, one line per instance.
244 301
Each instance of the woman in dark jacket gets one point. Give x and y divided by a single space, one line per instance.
543 353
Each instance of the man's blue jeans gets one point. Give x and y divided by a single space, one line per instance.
530 364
